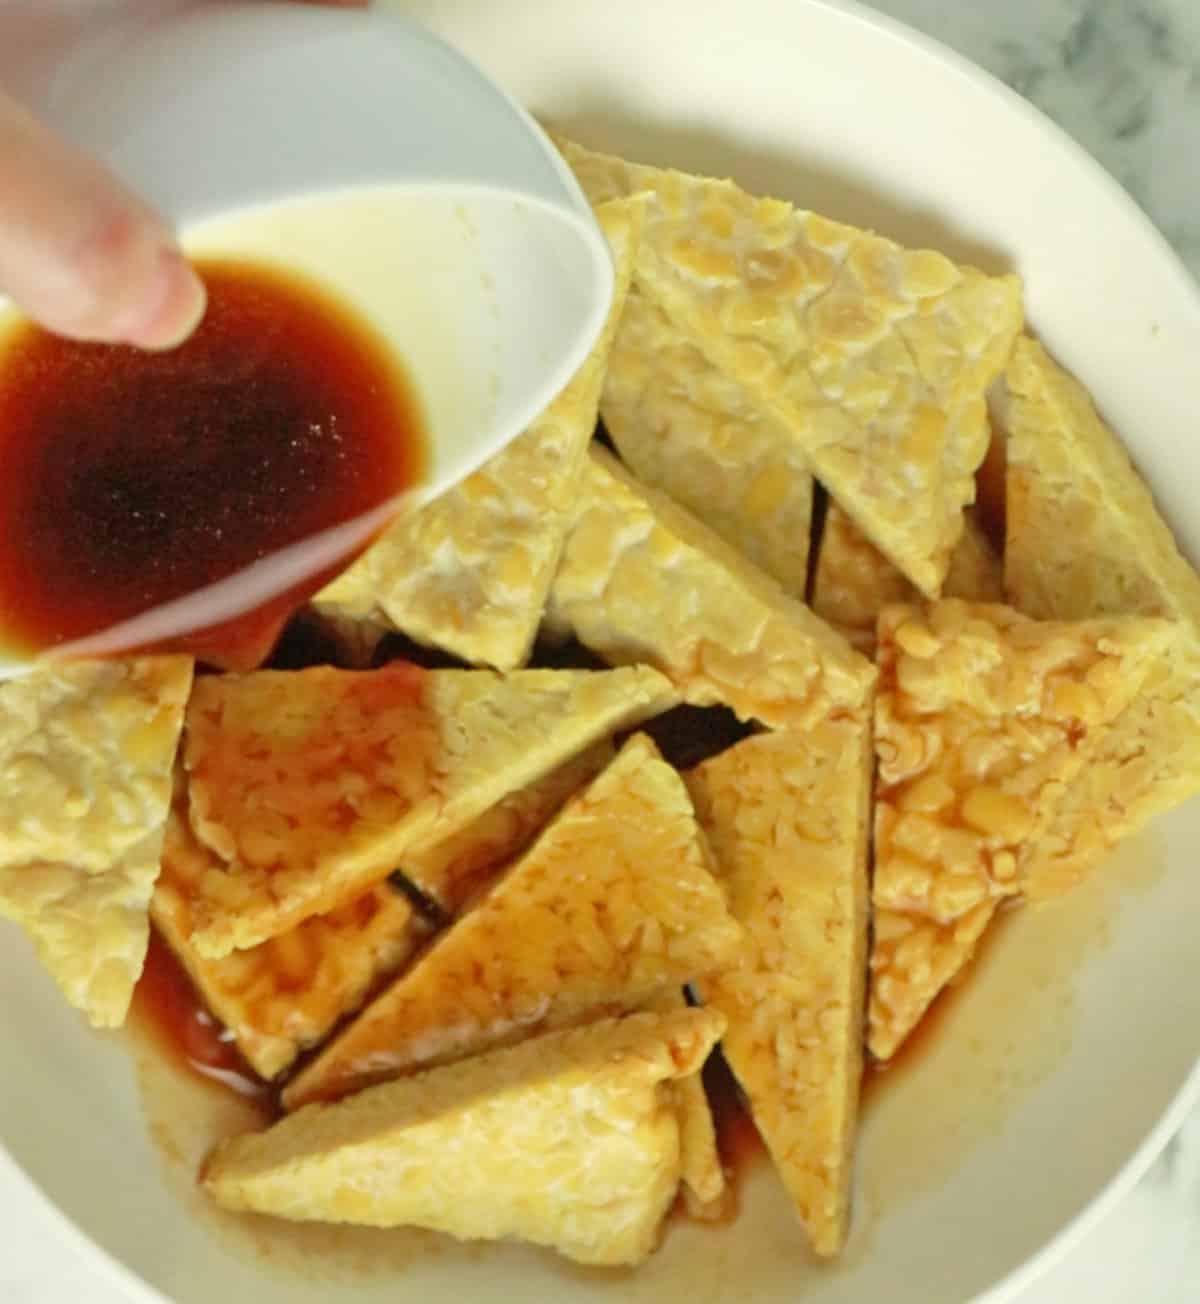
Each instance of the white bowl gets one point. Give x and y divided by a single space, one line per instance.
356 148
1071 1054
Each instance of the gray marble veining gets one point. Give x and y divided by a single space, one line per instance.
1122 76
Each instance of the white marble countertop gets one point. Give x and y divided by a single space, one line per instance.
1123 77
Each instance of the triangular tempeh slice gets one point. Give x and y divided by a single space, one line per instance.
566 1140
458 870
285 995
1085 539
876 357
470 572
913 959
684 427
312 785
705 1192
614 901
788 817
853 581
641 580
984 719
86 755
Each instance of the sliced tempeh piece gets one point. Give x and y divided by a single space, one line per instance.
876 357
614 901
984 718
788 817
470 572
287 994
1085 539
705 1192
641 580
853 581
86 755
684 427
913 959
566 1140
311 786
450 873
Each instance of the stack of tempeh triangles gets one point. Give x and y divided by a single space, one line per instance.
452 913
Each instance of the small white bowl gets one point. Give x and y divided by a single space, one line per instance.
356 147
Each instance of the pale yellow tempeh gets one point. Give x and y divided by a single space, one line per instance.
913 959
470 572
285 995
1085 539
876 357
705 1192
615 900
788 818
984 718
853 581
86 755
567 1140
641 580
453 871
976 573
684 427
311 786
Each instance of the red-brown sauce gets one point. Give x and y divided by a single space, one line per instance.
131 478
167 1005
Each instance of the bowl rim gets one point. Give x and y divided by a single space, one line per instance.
1007 1289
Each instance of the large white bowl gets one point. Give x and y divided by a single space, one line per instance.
1072 1053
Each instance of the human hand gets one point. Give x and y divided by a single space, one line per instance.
80 253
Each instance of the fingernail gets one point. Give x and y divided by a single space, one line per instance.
175 304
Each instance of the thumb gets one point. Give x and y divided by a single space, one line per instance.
81 254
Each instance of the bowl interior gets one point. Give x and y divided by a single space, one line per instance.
1053 1068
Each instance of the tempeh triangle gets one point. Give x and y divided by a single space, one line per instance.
567 1140
984 719
642 580
86 755
683 426
788 817
311 786
876 357
614 901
